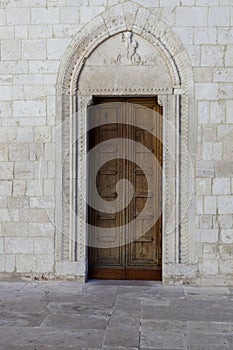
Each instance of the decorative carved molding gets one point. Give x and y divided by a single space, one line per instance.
185 179
126 91
83 103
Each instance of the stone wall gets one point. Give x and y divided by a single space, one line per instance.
34 36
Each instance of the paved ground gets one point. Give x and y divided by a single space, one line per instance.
110 315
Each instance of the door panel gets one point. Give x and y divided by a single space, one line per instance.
128 256
145 251
107 177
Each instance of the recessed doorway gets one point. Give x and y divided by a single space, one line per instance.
122 250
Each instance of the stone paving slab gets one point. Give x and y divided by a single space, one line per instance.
114 315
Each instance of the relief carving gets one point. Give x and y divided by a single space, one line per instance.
128 52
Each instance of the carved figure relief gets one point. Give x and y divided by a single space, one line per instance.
128 52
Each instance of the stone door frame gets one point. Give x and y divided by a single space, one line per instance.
177 102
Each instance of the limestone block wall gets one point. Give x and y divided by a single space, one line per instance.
34 36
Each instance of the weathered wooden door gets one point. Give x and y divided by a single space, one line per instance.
120 245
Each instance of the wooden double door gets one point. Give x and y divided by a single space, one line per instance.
125 235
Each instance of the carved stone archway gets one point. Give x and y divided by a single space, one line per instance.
75 90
